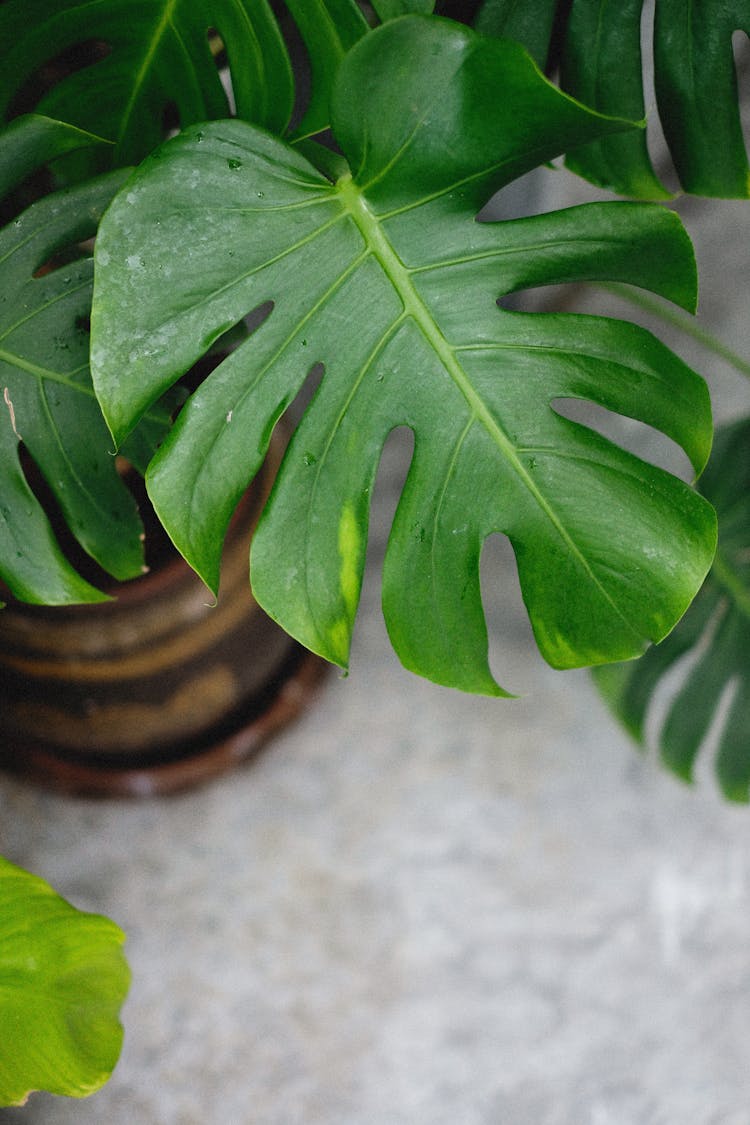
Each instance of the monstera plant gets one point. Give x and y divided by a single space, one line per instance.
167 175
225 219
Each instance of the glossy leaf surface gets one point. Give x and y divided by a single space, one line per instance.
386 279
63 979
147 59
47 402
696 85
709 651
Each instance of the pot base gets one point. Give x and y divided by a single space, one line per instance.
236 740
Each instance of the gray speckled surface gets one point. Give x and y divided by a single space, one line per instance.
418 908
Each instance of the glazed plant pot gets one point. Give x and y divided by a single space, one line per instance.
157 689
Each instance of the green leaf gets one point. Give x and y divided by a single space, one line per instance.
696 85
46 398
601 66
529 24
34 141
139 447
709 651
63 978
696 90
386 279
146 57
390 9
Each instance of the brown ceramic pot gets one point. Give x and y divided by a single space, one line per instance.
156 690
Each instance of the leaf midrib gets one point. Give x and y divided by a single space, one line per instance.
399 276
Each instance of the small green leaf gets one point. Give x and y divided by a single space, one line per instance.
63 979
386 279
710 645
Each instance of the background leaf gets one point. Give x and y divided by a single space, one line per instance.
387 280
601 65
391 9
328 29
709 651
127 69
698 103
48 404
63 978
696 85
529 24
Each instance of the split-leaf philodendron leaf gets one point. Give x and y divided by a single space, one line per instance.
149 59
386 279
694 77
63 979
47 403
712 642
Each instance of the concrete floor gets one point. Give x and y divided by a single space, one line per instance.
418 908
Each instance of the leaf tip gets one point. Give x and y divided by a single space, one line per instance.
338 642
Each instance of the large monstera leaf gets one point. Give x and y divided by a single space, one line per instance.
146 59
63 978
48 404
709 651
385 278
694 71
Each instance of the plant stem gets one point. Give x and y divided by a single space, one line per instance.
683 321
723 573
